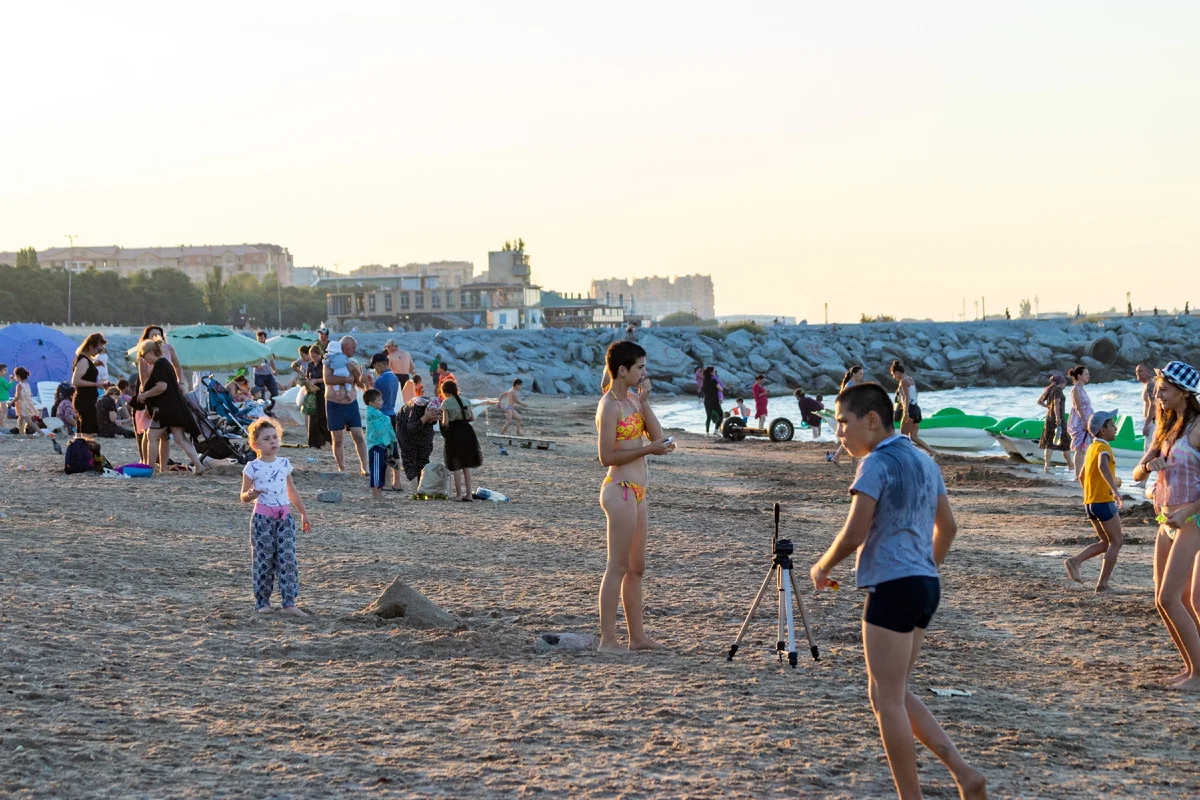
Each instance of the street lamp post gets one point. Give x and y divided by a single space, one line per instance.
71 239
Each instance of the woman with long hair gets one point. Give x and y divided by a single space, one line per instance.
156 332
318 423
169 412
1174 455
853 377
907 412
1054 431
85 377
1081 412
710 390
623 418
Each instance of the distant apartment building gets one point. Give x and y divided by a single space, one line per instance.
258 260
655 297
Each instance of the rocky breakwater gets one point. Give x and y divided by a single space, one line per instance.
938 355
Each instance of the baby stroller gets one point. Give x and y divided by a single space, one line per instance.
213 443
221 406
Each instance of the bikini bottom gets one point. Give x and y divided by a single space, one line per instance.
639 492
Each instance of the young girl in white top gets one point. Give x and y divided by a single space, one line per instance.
267 481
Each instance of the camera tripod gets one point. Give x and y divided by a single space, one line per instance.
785 581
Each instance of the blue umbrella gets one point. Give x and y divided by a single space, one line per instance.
45 352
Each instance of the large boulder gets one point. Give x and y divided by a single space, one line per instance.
740 341
664 358
758 363
701 350
774 350
495 363
966 361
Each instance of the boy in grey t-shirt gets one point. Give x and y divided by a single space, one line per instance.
901 524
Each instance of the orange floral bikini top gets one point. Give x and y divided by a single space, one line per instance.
632 426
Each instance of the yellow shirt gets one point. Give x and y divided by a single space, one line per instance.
1095 488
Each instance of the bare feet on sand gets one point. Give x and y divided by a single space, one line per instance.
973 786
613 648
1072 569
293 611
1191 684
265 610
1101 587
646 644
1183 676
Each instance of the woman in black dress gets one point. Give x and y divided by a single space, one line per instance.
318 423
1054 431
414 430
710 390
169 412
85 379
462 445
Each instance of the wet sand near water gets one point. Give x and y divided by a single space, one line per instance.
133 662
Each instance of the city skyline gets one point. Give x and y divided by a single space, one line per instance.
885 163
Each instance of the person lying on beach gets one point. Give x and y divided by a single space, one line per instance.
901 524
508 402
623 419
1101 500
267 482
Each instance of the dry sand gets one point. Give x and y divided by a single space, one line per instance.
133 663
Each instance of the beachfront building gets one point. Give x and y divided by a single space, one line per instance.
443 294
655 297
424 300
258 260
567 311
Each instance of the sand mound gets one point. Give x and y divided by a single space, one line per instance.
401 601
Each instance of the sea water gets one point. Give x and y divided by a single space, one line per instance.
1013 401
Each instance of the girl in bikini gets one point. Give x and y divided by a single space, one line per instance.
622 419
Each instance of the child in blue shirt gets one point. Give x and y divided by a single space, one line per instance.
901 524
381 435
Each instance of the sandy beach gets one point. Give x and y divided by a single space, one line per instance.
133 663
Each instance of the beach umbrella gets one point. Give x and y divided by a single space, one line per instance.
45 352
208 347
286 345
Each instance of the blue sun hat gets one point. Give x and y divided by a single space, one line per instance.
1183 375
1097 420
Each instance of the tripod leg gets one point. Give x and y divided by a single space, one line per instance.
816 654
779 641
762 590
786 599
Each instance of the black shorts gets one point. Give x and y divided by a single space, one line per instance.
903 604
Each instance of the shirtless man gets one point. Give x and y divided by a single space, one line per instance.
341 402
508 402
400 362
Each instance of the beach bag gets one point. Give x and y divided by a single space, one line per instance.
78 457
435 480
308 406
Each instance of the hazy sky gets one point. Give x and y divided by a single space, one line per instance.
883 157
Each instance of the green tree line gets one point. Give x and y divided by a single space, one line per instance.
164 296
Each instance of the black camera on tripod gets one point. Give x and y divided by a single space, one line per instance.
783 547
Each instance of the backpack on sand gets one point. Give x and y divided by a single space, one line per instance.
78 457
